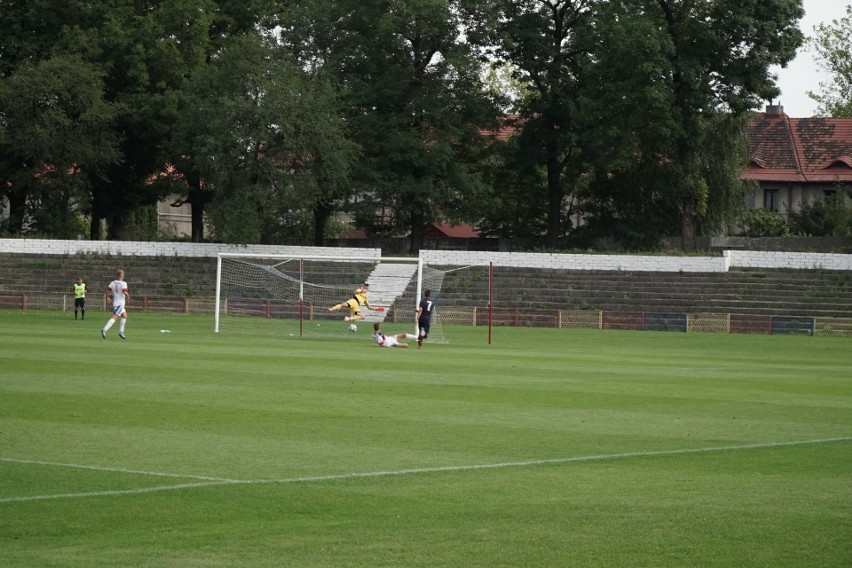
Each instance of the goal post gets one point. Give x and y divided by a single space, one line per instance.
291 295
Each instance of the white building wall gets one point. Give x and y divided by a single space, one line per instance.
175 220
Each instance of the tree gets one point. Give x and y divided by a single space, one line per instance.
263 135
27 37
682 76
831 44
143 51
414 97
314 32
28 31
56 130
539 39
625 128
149 51
216 23
504 208
720 55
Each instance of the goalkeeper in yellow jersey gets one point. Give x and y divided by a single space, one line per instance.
358 299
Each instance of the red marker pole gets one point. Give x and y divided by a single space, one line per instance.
490 298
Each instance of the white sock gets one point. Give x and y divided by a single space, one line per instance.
121 325
409 336
109 324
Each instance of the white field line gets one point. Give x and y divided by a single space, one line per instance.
215 481
114 492
117 470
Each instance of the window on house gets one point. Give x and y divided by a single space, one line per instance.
770 200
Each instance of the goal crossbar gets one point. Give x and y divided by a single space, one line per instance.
300 288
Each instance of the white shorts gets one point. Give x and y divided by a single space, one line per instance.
118 310
390 341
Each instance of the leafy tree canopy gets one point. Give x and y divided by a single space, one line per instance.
669 87
55 131
831 43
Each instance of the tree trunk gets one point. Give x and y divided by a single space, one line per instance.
687 228
321 215
197 211
554 195
197 200
117 226
17 210
416 232
95 226
689 214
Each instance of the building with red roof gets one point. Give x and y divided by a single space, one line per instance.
797 160
438 230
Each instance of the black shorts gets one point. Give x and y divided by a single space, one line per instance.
79 302
424 325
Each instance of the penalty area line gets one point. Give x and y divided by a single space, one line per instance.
213 481
114 492
117 470
548 461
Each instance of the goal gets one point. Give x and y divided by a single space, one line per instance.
290 295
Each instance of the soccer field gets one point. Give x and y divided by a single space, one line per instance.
547 448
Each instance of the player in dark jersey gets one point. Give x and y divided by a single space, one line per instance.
424 317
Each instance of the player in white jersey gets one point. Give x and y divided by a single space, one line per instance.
120 296
390 340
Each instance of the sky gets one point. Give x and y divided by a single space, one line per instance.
802 74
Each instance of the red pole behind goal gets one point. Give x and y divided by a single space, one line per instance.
301 294
490 298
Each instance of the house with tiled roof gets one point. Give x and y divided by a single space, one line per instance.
439 230
797 160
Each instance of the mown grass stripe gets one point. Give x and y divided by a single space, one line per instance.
372 474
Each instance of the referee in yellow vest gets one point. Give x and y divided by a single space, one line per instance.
79 290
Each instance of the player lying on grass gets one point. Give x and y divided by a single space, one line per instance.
390 340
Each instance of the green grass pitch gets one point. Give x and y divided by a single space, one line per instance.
547 448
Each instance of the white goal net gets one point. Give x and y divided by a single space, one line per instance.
291 296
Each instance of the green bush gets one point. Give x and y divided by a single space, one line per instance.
764 223
827 218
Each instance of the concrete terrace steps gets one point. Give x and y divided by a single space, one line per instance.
746 291
769 308
768 292
388 282
561 289
780 308
152 276
542 296
664 287
696 305
761 279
